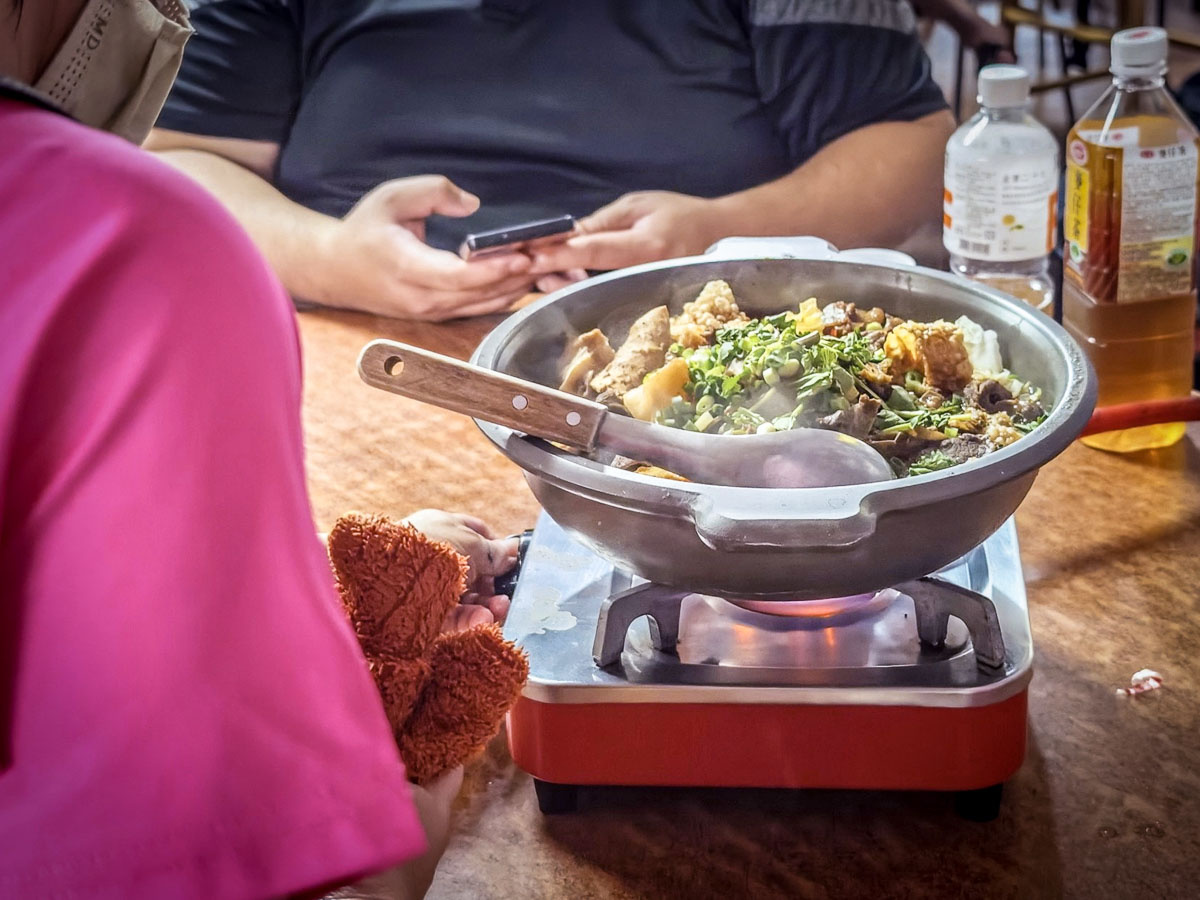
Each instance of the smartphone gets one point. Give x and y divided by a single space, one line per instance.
517 237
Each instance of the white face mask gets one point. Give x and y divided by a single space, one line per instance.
117 66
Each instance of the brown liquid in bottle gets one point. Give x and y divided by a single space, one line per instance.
1129 290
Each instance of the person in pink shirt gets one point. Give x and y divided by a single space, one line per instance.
184 710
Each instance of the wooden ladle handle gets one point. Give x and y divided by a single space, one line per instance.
474 391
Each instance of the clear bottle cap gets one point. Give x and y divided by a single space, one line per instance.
1003 86
1139 52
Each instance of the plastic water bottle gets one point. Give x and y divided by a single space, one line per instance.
1001 192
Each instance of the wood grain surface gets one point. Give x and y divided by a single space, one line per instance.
454 385
1106 806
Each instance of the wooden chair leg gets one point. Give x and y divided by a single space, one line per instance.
1041 13
958 81
1070 102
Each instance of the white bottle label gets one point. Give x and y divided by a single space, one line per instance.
1000 211
1158 221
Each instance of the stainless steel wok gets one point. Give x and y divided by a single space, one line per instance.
801 543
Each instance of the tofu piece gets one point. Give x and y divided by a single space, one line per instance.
644 350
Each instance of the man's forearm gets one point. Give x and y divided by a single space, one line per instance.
289 235
876 186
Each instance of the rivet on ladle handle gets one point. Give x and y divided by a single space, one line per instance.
483 393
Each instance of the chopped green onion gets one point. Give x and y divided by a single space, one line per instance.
790 368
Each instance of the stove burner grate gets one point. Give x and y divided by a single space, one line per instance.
934 602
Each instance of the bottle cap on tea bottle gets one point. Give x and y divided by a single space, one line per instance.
1139 52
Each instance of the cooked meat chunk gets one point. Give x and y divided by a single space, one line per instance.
964 447
586 356
713 309
934 348
932 399
611 399
990 396
902 446
876 373
1029 410
972 419
855 421
838 318
866 316
877 376
644 350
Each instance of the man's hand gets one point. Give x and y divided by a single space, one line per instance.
636 228
486 557
376 259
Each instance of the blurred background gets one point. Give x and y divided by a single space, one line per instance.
1052 56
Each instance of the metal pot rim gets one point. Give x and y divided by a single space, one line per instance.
1062 425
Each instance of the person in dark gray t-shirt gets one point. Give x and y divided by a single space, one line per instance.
358 141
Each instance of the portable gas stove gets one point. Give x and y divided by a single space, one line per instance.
918 687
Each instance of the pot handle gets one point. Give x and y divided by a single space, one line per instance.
729 530
801 247
783 247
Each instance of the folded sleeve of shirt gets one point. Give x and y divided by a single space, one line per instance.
241 71
187 711
828 67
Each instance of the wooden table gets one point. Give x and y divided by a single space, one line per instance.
1107 804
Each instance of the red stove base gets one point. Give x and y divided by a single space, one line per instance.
770 745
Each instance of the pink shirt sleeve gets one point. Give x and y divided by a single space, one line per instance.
184 712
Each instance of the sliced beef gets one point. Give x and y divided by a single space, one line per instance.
1029 411
990 396
855 421
964 447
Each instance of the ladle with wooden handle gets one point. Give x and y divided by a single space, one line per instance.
802 457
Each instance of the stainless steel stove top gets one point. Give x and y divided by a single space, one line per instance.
862 652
